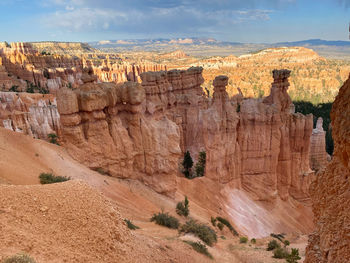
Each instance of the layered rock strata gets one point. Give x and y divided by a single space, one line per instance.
103 126
32 114
141 131
318 154
22 65
331 192
26 66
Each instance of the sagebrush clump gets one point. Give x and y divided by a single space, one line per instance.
293 257
182 208
273 244
130 225
213 221
200 248
164 219
220 226
243 240
280 253
228 224
53 138
19 258
204 232
49 178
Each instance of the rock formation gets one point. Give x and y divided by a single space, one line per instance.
106 121
318 154
23 66
140 131
331 192
32 114
115 72
26 66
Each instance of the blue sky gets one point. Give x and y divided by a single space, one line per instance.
231 20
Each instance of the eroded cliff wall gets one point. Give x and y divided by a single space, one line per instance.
141 131
32 114
23 66
331 192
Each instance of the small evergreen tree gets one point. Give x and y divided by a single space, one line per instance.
187 164
53 138
200 165
293 257
14 88
286 243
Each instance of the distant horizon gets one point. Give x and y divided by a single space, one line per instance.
177 38
248 21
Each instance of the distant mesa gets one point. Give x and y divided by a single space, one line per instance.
181 41
104 42
124 42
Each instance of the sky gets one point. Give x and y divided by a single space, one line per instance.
248 21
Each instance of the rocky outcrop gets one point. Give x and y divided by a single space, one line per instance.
330 192
140 131
106 121
27 67
32 114
318 154
63 48
57 65
118 73
275 144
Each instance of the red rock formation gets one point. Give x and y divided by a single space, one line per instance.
106 121
118 73
25 64
318 154
258 145
21 64
331 192
274 144
32 114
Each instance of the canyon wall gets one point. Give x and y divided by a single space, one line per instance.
331 192
140 131
32 114
22 66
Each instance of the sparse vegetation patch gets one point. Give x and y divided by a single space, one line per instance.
200 248
164 219
49 178
130 224
182 208
53 138
19 258
280 253
243 240
228 224
273 244
204 232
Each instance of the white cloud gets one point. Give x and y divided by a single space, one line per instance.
84 19
181 17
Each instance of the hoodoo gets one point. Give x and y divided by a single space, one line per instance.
140 131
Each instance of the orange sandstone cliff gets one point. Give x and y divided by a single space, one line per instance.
140 131
21 65
331 192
